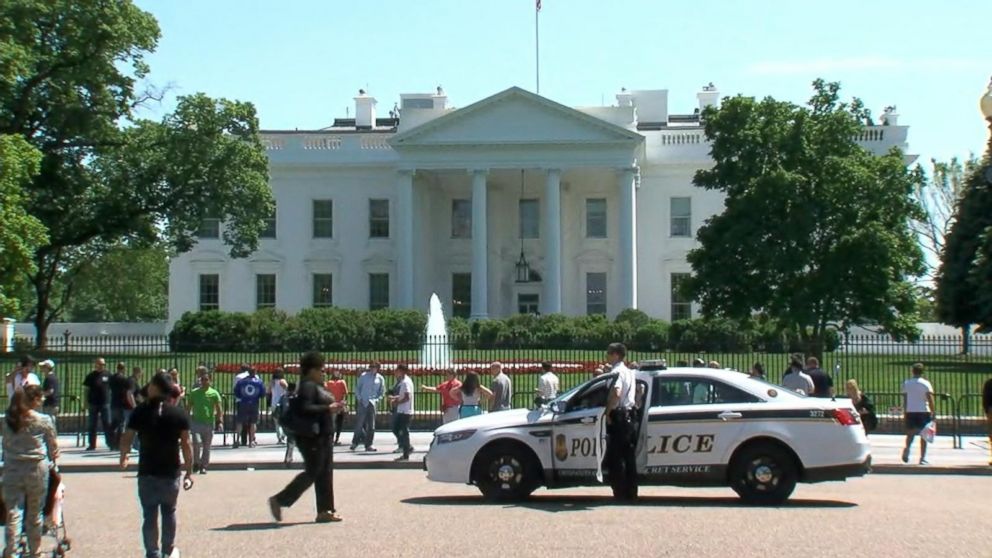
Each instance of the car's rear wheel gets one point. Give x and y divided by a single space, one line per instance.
506 473
764 474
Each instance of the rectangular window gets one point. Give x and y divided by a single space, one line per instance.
595 293
378 291
209 292
461 218
681 217
209 228
528 303
681 304
270 226
461 295
323 218
596 218
265 290
530 219
378 218
323 290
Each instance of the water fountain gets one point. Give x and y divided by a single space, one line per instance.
436 352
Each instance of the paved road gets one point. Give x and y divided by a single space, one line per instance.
400 513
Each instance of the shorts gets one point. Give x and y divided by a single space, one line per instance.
247 413
916 421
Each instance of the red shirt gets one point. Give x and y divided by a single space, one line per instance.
445 389
338 389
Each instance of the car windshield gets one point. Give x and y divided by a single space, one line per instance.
568 394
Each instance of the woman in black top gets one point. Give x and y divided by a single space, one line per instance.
863 405
318 405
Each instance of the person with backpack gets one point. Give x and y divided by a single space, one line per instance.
310 419
282 413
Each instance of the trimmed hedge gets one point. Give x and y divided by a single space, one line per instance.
342 330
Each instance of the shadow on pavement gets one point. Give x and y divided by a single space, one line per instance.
557 504
265 526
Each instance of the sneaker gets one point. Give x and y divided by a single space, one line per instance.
352 447
398 450
403 457
203 470
923 461
905 455
235 445
275 509
370 448
327 517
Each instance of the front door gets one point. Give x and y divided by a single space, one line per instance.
577 431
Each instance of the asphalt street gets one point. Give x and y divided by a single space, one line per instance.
400 513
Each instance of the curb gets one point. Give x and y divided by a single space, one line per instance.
416 464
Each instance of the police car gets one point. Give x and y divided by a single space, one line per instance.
699 427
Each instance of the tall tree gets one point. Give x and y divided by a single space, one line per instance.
124 284
816 231
938 196
68 86
20 233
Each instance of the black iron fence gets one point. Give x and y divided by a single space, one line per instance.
879 365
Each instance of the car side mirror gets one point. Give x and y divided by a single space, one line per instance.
556 407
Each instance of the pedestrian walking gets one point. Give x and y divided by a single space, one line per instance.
163 430
277 390
283 409
97 384
547 385
339 389
369 389
318 406
502 389
402 404
470 395
863 404
987 406
823 384
919 408
207 416
619 459
797 380
449 404
249 391
23 375
121 403
30 448
50 388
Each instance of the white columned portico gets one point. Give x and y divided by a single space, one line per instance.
552 242
404 237
480 246
628 237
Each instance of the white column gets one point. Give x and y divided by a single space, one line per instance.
628 238
552 242
480 246
404 238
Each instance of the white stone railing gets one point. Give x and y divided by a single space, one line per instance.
682 137
871 133
325 142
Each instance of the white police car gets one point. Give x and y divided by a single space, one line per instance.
703 427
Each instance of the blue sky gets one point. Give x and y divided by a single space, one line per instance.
301 61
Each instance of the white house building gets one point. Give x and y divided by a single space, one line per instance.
381 212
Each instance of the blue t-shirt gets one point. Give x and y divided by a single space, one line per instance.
249 390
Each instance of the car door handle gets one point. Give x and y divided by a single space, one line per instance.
587 420
728 415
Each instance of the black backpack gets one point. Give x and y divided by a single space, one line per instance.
293 420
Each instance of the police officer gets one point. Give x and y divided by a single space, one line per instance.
621 426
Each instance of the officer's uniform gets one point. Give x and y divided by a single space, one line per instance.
620 459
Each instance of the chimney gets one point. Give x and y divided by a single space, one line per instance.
440 99
624 97
708 97
364 111
890 117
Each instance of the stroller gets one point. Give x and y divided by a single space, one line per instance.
53 526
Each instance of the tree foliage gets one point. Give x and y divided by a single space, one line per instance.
20 233
69 81
124 284
963 293
816 230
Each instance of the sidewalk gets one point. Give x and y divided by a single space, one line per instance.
973 459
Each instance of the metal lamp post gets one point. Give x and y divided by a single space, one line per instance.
986 105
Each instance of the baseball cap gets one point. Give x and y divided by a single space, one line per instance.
47 362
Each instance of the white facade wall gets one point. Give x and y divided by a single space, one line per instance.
591 148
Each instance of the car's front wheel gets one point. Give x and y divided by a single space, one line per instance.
764 474
506 473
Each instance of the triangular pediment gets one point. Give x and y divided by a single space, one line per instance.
515 117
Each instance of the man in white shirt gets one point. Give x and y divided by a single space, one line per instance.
919 409
797 380
22 376
620 458
402 404
547 385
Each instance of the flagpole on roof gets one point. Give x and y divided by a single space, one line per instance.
537 46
